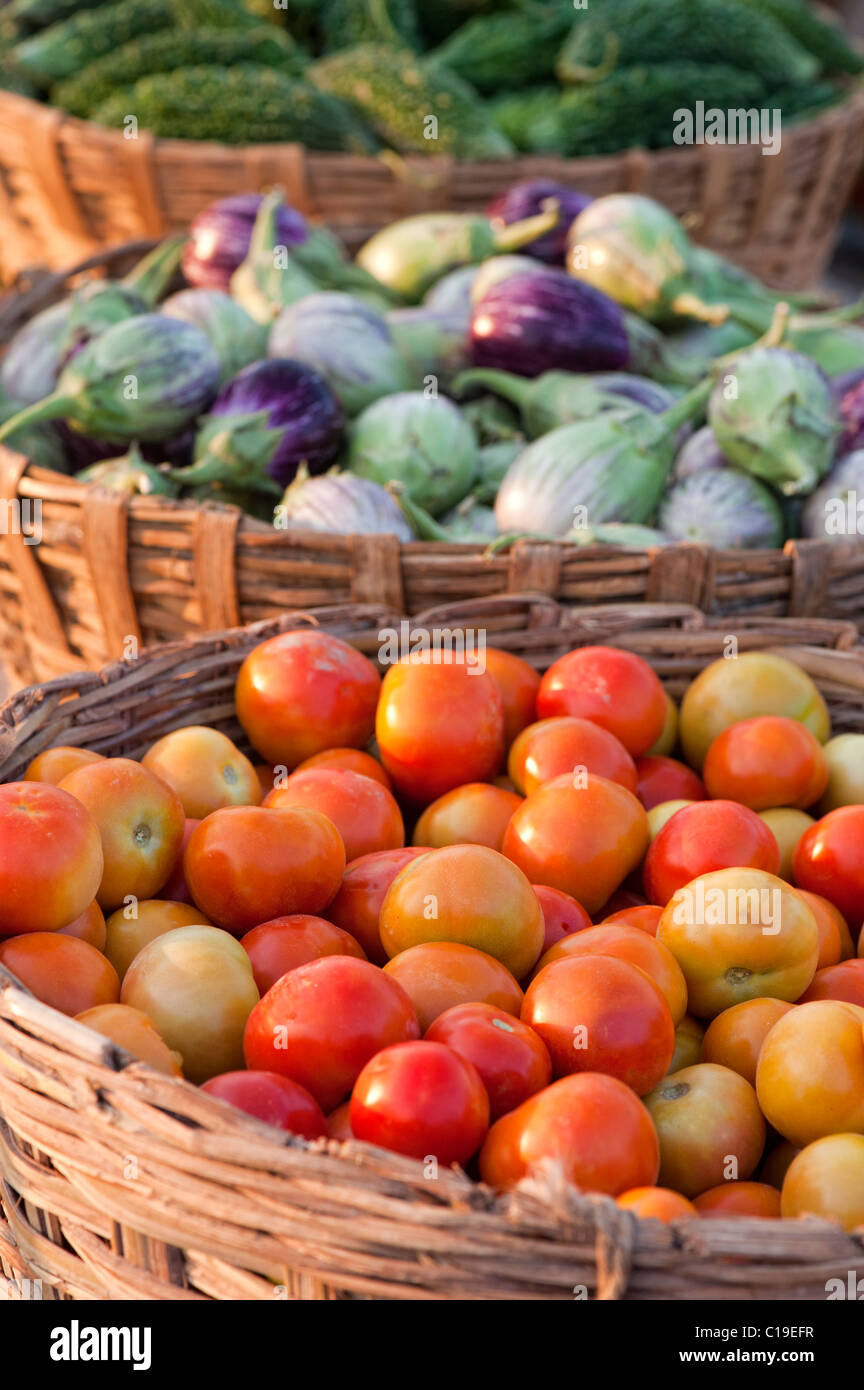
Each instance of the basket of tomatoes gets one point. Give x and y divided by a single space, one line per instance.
352 956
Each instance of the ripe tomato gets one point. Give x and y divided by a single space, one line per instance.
827 1179
665 779
552 747
636 948
176 889
810 1076
710 1127
739 1199
321 1023
276 947
134 1031
206 770
512 1060
304 691
518 683
657 1203
421 1099
787 826
476 814
249 864
662 747
53 765
740 934
277 1100
596 1013
844 981
362 810
829 861
467 894
562 915
766 761
688 1044
615 689
701 838
50 858
646 918
584 839
743 687
357 905
343 760
131 928
593 1128
62 971
140 820
835 939
89 927
339 1123
439 726
437 975
734 1038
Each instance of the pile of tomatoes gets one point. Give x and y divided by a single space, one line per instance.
482 917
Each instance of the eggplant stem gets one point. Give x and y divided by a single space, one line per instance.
692 307
517 390
52 407
514 236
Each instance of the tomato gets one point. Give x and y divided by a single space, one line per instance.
666 779
141 823
688 1044
734 1038
277 1100
743 687
662 747
828 861
740 934
810 1076
130 929
663 812
339 1123
196 985
249 864
597 1013
321 1023
467 894
775 1164
50 858
68 974
89 927
787 826
844 981
562 915
421 1099
708 836
844 755
739 1199
582 839
437 975
827 1179
345 760
835 939
553 747
304 691
176 889
634 946
656 1203
710 1127
512 1060
276 947
766 761
362 810
439 726
357 905
206 770
518 683
476 814
53 765
594 1131
645 918
133 1031
615 689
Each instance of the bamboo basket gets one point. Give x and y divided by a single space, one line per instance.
69 187
121 1183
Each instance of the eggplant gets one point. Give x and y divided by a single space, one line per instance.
351 345
452 293
850 407
421 441
531 196
342 503
219 238
700 452
725 508
834 512
269 278
432 344
237 338
130 474
558 398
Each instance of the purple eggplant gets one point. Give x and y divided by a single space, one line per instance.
525 199
851 409
219 238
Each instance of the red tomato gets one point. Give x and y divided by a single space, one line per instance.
512 1059
645 918
562 915
62 971
363 811
612 688
742 1199
702 838
552 747
595 1131
344 760
276 947
439 726
828 861
598 1013
339 1122
248 864
635 947
50 858
421 1099
475 814
304 691
176 890
277 1100
767 761
321 1023
843 981
518 683
666 779
357 906
89 927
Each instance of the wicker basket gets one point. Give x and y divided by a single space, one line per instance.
220 1206
69 187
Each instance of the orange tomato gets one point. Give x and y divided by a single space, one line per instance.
362 810
688 1044
634 946
62 971
739 1199
438 975
835 939
562 915
787 826
206 770
467 894
53 765
131 928
553 747
827 1179
276 947
612 688
656 1203
518 683
89 927
475 814
703 837
582 839
356 907
133 1031
343 760
734 1038
646 918
665 779
843 981
709 1125
50 858
810 1076
766 761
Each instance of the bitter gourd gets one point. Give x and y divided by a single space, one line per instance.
346 23
414 105
168 50
245 104
38 14
502 51
825 41
517 114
